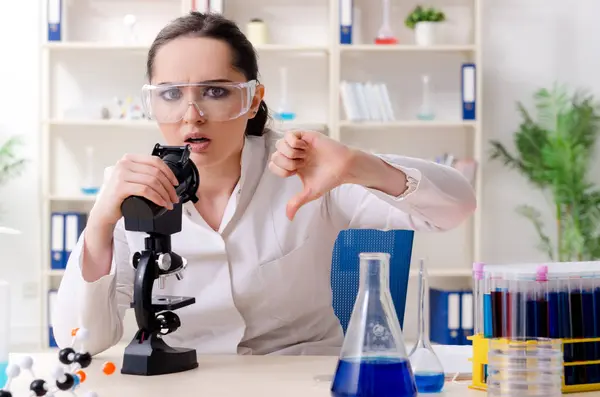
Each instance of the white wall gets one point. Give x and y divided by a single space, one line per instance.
19 114
525 46
528 45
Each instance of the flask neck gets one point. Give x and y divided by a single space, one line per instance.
374 273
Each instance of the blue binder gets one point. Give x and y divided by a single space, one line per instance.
468 91
445 313
346 17
55 15
57 241
74 224
65 229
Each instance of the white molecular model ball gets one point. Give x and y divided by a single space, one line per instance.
66 376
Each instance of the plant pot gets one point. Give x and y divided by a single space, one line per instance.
425 33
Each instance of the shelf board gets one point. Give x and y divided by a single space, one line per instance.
75 198
407 124
103 123
103 46
94 46
406 48
291 48
55 272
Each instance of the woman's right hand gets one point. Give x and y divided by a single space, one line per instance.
134 175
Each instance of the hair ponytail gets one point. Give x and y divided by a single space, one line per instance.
256 125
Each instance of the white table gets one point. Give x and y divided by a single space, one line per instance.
217 376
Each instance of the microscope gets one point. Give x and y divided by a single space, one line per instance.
148 354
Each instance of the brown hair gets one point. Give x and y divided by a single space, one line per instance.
196 24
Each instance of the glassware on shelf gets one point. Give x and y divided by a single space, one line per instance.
373 360
385 34
428 370
284 111
426 110
89 186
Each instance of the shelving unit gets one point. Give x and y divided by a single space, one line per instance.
93 64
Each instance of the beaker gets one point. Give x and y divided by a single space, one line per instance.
428 370
373 360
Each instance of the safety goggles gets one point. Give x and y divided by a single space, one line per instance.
215 101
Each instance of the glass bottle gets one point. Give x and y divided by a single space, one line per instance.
284 110
89 187
385 34
373 360
428 370
426 110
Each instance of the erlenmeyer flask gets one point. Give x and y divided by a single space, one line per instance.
373 360
428 370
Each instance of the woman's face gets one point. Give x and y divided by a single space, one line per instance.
198 60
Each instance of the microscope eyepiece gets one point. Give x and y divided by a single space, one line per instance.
178 160
142 215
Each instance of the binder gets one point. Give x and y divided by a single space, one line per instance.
66 227
466 317
346 17
445 312
468 91
55 16
74 225
51 304
57 241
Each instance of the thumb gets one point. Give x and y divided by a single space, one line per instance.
298 201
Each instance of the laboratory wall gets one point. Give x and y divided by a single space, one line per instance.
526 45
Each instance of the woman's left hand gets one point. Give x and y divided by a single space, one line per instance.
320 162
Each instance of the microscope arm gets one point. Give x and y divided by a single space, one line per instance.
142 291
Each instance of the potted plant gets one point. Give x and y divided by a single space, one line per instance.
423 21
554 152
11 166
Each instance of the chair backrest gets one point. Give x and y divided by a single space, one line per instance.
345 267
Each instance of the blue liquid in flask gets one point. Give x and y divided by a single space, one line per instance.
373 377
429 373
429 382
373 361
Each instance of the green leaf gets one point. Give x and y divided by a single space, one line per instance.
553 149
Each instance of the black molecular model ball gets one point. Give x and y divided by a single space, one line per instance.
66 355
83 359
39 387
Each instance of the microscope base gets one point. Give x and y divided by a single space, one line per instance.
154 357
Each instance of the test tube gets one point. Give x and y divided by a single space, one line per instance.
526 307
576 320
487 306
587 307
541 301
554 283
596 315
477 297
497 300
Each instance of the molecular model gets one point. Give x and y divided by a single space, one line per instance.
67 376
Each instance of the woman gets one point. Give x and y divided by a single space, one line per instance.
259 240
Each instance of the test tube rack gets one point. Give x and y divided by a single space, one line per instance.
572 370
570 299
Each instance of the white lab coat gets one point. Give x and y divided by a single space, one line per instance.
261 282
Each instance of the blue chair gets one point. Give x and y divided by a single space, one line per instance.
345 267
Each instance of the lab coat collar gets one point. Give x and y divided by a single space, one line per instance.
253 161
